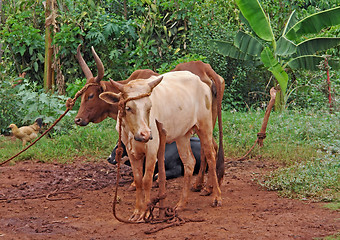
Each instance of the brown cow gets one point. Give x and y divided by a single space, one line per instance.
93 109
190 101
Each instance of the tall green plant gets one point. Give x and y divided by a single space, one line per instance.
289 50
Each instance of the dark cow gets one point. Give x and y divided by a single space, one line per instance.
172 161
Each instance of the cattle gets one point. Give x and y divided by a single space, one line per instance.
172 162
217 85
183 104
93 109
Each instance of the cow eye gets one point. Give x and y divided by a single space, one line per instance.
91 96
127 109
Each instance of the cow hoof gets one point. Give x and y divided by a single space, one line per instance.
206 192
217 203
137 218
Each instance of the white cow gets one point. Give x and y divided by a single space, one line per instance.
183 104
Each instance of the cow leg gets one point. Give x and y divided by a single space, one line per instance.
207 190
148 176
188 159
200 176
210 153
137 169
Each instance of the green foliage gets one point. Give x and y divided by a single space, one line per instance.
317 179
158 36
292 136
279 54
9 110
93 142
22 36
307 143
25 102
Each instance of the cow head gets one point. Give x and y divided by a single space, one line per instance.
92 108
137 106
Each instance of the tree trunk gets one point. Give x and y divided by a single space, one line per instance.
1 24
48 71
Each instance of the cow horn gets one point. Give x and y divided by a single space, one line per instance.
100 66
118 86
83 65
154 83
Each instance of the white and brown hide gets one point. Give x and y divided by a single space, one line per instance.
183 104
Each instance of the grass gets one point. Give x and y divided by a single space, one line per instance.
306 143
292 137
94 142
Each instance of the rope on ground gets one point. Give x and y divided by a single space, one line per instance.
47 196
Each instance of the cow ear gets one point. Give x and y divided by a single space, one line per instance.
154 83
110 97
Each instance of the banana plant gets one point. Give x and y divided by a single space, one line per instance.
285 51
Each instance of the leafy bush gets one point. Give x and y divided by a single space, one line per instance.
93 142
25 102
23 39
318 179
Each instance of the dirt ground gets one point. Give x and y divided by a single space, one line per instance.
74 201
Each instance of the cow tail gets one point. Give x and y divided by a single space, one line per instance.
220 155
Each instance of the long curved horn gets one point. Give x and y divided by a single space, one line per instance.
83 65
100 65
118 86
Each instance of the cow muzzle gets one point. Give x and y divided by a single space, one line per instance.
143 136
80 122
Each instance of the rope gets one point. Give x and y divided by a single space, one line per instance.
69 105
119 152
262 134
171 216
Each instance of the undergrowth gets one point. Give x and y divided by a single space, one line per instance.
93 142
307 143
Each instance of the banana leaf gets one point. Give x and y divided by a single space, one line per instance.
248 44
274 66
253 12
285 47
312 46
229 49
311 62
315 23
292 20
